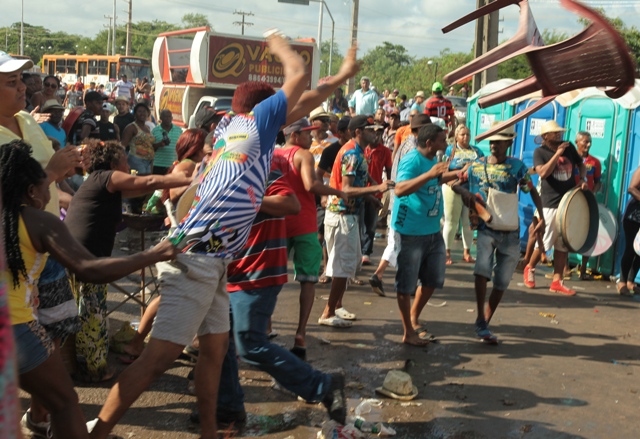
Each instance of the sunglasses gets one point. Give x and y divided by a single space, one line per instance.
324 119
50 85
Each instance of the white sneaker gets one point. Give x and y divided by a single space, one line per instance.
39 429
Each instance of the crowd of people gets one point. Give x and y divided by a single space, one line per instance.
278 177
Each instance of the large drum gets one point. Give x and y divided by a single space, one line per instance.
577 220
185 202
607 232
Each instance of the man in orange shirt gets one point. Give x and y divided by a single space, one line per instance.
404 131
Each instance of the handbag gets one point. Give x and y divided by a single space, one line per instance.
503 208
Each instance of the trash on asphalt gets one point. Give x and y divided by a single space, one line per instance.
333 430
547 314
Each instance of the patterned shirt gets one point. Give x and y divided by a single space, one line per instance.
317 148
350 162
594 171
231 189
440 107
262 262
458 157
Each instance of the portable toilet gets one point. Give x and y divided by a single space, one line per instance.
527 140
608 122
479 119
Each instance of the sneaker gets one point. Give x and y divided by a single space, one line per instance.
191 353
366 260
558 287
483 332
376 285
529 277
39 429
335 401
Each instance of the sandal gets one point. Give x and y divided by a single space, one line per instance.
424 334
344 314
468 259
324 279
623 290
335 322
448 261
356 281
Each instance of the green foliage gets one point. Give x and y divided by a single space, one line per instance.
336 60
194 20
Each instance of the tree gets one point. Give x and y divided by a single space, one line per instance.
336 59
190 21
385 64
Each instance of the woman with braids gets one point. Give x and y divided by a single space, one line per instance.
93 216
30 234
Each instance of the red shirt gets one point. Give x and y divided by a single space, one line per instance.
378 159
262 262
306 221
437 106
594 171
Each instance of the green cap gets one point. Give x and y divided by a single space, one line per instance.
436 87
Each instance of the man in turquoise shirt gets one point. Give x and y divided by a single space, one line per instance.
416 217
167 135
365 100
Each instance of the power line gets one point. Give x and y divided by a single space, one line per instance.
242 23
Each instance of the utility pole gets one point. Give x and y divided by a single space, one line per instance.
242 23
22 30
354 37
128 52
110 18
113 32
487 28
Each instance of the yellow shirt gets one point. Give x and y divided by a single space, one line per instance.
317 148
23 299
41 147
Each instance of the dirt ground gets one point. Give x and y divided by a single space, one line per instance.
576 375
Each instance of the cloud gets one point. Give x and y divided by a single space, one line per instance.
414 24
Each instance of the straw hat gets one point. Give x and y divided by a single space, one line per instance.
398 385
506 134
551 127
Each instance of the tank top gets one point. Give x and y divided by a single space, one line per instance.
306 221
23 299
141 145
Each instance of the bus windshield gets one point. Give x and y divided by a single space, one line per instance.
134 71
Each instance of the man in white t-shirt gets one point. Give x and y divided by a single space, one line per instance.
124 88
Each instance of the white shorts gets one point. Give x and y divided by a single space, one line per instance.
392 249
192 301
342 235
552 236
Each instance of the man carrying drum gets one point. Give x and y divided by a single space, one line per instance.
556 162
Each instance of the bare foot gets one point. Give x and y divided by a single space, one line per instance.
414 340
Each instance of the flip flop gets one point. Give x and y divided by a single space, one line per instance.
335 322
344 314
449 261
300 352
356 281
468 259
128 359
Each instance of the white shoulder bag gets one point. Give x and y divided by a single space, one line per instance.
503 208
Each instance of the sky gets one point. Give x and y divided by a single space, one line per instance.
415 24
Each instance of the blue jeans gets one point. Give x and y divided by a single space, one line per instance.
230 394
423 258
252 310
506 248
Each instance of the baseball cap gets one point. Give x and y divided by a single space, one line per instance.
299 125
343 123
9 64
436 86
107 107
51 104
360 121
208 115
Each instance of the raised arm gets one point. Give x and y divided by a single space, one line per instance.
312 98
295 77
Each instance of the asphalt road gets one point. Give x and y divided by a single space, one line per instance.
572 376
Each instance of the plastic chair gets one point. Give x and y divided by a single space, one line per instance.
595 57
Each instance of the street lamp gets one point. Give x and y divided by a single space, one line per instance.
333 23
435 75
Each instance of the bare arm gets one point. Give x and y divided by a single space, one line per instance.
86 130
408 187
634 185
127 135
304 160
51 235
537 201
117 130
133 186
62 162
64 198
312 98
352 192
295 77
547 169
280 205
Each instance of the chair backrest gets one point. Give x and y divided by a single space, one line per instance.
527 38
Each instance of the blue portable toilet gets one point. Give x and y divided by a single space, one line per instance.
608 121
479 119
527 131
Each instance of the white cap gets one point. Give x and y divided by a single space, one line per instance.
9 64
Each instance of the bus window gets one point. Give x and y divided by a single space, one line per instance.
61 66
82 68
113 71
71 66
93 67
102 67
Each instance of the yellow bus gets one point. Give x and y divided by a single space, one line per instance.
100 69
